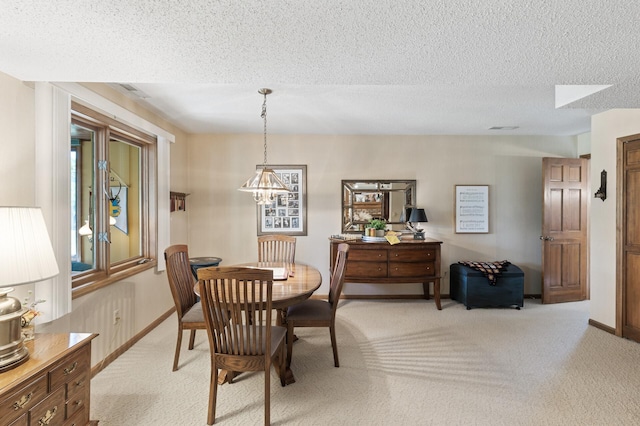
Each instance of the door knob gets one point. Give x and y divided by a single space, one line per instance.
547 238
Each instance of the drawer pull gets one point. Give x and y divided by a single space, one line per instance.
79 383
71 369
24 400
78 402
49 415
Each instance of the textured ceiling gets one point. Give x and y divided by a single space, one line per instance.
339 67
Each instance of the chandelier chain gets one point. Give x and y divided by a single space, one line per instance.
264 118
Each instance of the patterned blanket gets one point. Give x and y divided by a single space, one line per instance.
491 270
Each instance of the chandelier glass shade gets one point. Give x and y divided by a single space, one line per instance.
265 184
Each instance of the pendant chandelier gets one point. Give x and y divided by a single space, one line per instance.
265 184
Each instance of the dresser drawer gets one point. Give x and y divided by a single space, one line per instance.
22 400
400 255
400 270
78 385
366 269
51 411
70 368
21 421
80 418
368 255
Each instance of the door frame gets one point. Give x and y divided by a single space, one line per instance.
621 227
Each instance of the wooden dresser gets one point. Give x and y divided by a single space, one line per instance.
410 261
53 386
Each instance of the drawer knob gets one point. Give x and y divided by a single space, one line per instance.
24 400
48 416
71 369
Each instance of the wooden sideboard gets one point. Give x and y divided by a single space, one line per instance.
53 386
410 261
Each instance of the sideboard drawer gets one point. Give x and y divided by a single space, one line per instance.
400 270
401 255
368 255
21 401
366 269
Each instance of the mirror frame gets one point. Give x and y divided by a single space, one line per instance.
378 193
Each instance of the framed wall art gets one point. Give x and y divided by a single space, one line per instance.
472 209
288 213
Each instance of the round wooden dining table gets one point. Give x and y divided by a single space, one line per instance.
297 283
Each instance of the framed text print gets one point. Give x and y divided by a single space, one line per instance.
288 212
472 209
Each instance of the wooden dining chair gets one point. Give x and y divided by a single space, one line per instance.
320 313
182 282
237 305
276 248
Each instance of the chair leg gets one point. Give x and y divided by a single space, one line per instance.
213 393
267 394
192 338
283 364
178 344
289 343
334 345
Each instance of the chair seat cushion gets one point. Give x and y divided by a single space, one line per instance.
194 314
310 309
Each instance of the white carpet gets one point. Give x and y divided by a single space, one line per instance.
402 363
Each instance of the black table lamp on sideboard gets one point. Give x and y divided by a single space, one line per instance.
417 216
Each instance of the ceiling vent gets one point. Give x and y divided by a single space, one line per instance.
504 127
132 90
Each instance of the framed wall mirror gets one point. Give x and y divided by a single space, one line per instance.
363 200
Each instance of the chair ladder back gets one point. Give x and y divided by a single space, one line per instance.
180 277
237 304
337 275
276 248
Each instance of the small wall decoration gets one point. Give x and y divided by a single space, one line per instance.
118 208
472 209
288 213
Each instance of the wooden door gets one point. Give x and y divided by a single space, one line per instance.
564 230
631 245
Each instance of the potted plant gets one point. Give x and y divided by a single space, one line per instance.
379 225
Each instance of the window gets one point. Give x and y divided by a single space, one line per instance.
111 179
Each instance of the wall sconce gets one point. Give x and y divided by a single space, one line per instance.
602 191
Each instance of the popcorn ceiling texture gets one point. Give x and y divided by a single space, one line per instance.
369 67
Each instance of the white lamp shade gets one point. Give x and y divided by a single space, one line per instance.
26 254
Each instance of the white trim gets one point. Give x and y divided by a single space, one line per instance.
52 193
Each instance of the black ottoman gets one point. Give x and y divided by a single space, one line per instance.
472 288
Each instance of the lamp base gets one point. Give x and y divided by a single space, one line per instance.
11 357
12 349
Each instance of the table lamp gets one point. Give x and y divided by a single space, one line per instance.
417 216
26 256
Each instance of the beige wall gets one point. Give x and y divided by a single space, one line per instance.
606 128
222 220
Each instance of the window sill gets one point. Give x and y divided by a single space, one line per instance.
92 286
